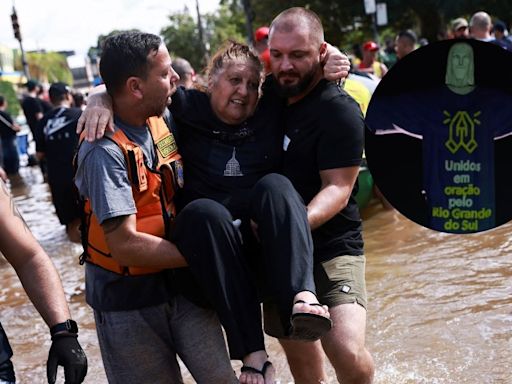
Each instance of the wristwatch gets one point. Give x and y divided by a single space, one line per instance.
68 326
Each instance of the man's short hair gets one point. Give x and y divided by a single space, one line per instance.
480 20
2 101
290 18
125 55
182 67
409 35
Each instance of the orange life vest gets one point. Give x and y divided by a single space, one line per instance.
153 192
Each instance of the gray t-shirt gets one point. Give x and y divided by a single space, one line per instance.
102 178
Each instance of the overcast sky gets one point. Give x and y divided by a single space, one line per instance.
76 24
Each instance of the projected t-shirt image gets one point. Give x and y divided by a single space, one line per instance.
439 136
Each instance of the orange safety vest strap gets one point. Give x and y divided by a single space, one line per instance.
164 140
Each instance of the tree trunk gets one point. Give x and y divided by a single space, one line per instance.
248 21
431 21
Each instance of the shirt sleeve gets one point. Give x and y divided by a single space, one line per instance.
4 128
406 113
341 141
9 118
102 178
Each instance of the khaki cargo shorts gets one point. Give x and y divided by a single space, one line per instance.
340 280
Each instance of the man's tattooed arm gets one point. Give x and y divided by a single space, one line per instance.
5 191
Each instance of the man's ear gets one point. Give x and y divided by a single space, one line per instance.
134 86
323 52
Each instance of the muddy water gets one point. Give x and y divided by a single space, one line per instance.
440 305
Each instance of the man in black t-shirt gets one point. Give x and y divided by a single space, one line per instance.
323 145
34 111
56 142
32 106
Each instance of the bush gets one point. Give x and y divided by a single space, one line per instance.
7 91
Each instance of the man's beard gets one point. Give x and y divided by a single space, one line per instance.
160 109
296 89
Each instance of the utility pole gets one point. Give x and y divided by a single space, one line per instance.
370 9
17 35
374 29
248 21
201 34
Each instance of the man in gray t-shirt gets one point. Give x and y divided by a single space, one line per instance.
142 323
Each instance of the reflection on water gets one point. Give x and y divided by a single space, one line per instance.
440 304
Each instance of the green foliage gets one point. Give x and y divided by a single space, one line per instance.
182 35
182 38
7 91
49 67
95 52
227 24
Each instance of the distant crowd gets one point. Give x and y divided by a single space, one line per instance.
373 59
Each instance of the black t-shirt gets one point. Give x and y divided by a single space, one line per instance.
56 137
47 107
325 130
223 162
5 131
31 107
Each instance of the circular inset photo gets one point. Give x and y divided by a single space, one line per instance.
439 136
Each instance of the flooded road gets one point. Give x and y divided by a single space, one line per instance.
440 306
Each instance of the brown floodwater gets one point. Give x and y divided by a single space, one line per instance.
440 306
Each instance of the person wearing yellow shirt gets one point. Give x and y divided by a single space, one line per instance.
369 63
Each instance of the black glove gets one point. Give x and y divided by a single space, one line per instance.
66 351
